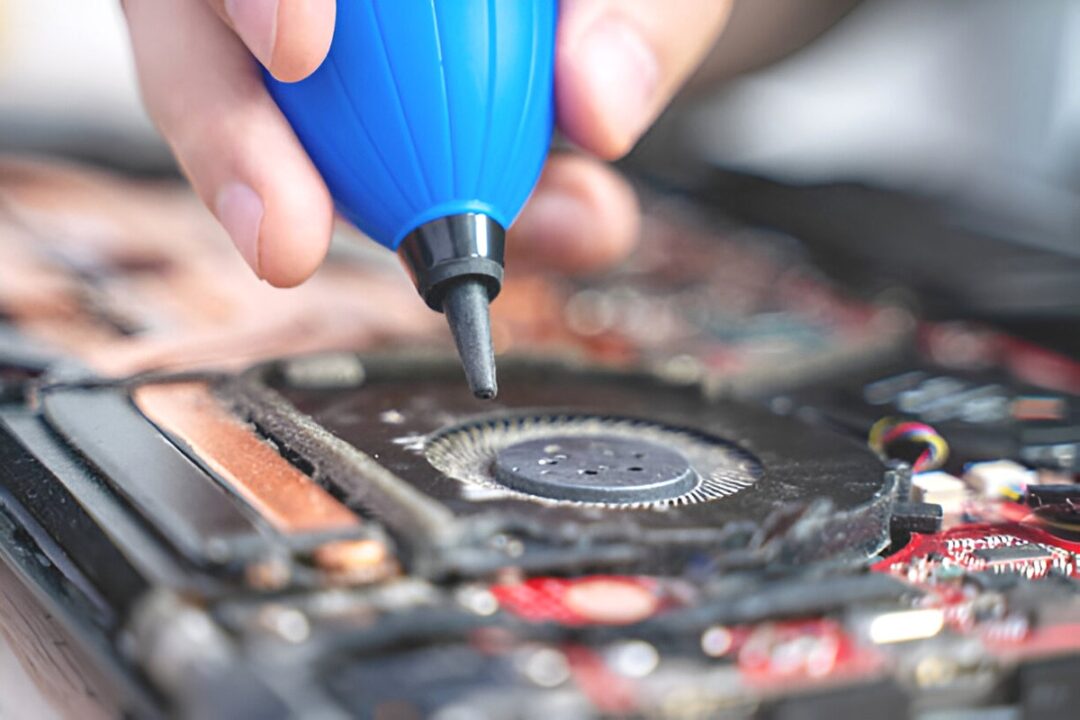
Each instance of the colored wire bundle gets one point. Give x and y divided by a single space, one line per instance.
889 435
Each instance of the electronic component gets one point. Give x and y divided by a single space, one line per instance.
905 625
595 600
178 499
895 438
975 548
250 466
437 478
389 529
939 488
724 466
986 415
999 479
909 517
580 458
1010 554
1063 494
422 526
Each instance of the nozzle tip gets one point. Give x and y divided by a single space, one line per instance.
466 307
485 393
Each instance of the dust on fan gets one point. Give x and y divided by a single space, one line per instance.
603 461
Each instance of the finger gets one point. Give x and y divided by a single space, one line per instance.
620 62
203 90
583 217
289 37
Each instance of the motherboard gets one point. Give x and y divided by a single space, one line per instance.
714 485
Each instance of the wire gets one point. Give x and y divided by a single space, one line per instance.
889 432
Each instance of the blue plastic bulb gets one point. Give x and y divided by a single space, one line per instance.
426 109
430 121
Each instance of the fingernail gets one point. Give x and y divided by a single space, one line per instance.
255 22
240 211
623 75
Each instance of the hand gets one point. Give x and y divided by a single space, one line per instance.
618 64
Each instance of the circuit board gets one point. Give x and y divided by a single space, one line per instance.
714 485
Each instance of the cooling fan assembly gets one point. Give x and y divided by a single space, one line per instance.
604 461
571 468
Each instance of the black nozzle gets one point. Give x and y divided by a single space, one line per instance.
453 247
466 307
457 265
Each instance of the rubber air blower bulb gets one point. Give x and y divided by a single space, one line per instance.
430 121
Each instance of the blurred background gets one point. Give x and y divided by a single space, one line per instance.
978 100
67 85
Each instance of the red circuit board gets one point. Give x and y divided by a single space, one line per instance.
939 563
979 548
801 652
591 600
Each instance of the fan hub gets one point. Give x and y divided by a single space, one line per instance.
602 468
